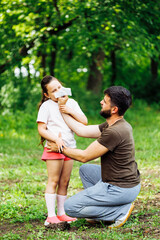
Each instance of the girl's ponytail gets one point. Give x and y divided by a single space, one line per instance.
46 80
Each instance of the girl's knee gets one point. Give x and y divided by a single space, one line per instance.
52 182
64 182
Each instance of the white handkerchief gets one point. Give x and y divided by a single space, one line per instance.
63 92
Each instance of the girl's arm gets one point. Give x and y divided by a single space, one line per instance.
77 116
45 133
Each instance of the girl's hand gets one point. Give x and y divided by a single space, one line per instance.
65 109
62 100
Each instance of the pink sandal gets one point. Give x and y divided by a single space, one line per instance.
66 218
52 220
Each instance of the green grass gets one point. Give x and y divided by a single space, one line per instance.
23 179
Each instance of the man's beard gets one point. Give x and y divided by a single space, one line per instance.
106 114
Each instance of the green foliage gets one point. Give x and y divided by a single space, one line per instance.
64 38
14 121
138 82
8 96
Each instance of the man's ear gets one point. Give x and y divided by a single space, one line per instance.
115 109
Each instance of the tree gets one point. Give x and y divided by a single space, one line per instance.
84 42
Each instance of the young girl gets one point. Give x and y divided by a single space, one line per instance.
50 126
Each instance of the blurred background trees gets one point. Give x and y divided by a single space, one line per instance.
89 45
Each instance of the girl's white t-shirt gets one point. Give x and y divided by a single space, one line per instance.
49 113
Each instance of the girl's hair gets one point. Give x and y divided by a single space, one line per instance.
45 81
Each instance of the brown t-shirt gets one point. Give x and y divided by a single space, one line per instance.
118 165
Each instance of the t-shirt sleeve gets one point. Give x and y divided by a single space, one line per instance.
42 114
102 126
75 106
109 139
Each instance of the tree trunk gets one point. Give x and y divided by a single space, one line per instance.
43 63
113 66
95 77
154 69
52 62
4 66
29 75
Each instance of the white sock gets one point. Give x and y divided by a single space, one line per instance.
50 202
60 204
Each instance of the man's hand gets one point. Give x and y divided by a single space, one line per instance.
52 147
60 144
57 146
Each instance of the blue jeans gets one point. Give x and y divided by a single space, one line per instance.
99 200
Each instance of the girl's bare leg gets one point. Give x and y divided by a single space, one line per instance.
65 177
54 168
62 191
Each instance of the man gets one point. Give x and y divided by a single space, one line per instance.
110 188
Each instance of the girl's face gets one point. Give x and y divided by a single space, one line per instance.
52 87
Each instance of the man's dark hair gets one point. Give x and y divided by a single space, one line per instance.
120 97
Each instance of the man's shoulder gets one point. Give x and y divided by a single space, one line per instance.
119 128
122 129
121 124
103 126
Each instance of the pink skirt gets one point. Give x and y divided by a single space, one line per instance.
53 155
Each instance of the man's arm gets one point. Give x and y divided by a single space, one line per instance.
90 131
77 116
45 133
93 151
80 117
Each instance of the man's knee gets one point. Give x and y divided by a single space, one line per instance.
69 207
83 169
66 206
